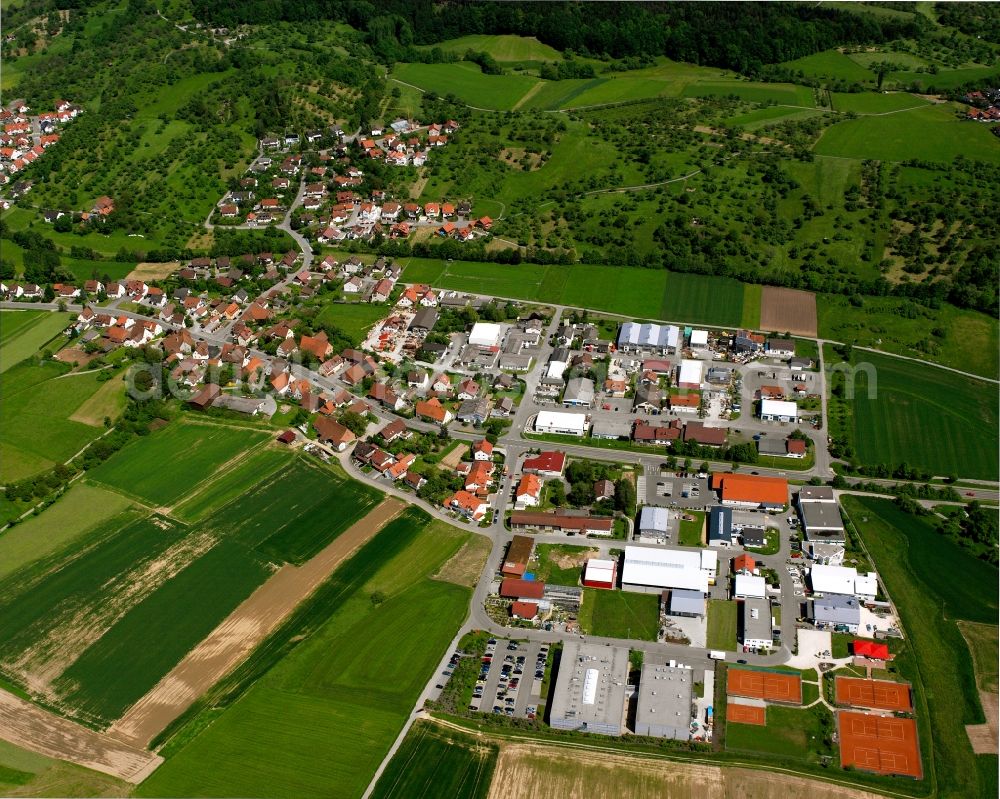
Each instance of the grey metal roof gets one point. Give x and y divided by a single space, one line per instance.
837 609
579 390
654 519
689 602
757 628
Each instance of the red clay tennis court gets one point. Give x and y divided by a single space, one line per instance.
770 685
876 694
745 714
884 745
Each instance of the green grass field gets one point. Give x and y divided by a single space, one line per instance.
690 534
354 318
166 465
437 762
782 93
467 82
791 733
620 614
722 625
984 642
36 430
318 723
932 134
872 103
914 409
80 509
502 48
639 293
549 571
918 568
831 64
23 333
255 467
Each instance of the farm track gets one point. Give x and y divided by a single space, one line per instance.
30 727
242 631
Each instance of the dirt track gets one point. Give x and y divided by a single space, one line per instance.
529 771
229 643
30 727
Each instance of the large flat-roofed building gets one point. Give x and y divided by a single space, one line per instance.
836 612
755 623
822 522
682 602
843 580
485 334
654 522
663 708
778 411
567 424
590 689
651 570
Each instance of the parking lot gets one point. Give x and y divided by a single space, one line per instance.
668 491
510 680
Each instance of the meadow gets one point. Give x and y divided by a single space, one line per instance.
865 103
918 568
983 641
164 466
36 428
830 64
466 81
354 318
437 762
620 614
26 773
23 333
502 48
925 417
931 133
80 509
319 721
722 623
638 293
791 733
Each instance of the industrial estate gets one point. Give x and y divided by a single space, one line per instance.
535 399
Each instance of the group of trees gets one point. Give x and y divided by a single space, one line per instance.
581 476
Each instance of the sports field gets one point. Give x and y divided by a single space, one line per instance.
467 82
879 744
638 293
620 614
931 133
163 467
746 714
908 410
23 333
36 406
772 686
320 720
874 694
433 761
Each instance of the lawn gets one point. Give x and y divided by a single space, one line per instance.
354 318
437 762
691 532
23 333
620 614
638 293
467 82
166 465
80 509
36 428
772 542
932 134
791 733
722 625
318 723
548 568
909 409
918 568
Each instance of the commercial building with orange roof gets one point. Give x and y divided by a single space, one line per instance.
751 491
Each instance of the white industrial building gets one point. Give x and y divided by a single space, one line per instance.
486 334
648 570
635 337
778 411
567 424
748 586
843 580
690 373
663 707
699 338
590 689
756 624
